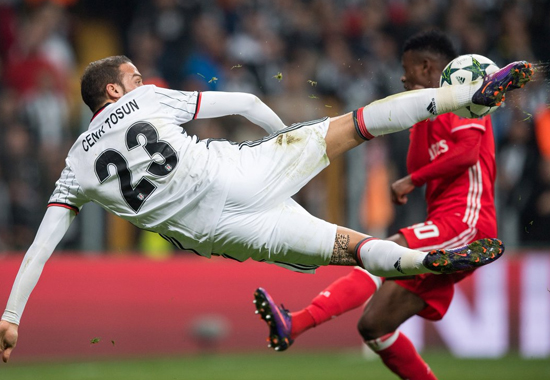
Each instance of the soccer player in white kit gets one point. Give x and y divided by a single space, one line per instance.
216 197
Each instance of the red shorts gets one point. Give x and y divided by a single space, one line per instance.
437 290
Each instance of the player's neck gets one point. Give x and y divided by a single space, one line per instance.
101 109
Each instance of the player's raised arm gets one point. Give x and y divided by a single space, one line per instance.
463 153
52 229
217 103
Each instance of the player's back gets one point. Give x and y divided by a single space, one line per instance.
137 162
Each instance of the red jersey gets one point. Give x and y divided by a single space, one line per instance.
459 180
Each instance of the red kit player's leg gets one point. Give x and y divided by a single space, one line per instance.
386 311
399 355
344 294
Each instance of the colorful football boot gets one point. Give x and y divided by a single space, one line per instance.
278 320
494 87
471 256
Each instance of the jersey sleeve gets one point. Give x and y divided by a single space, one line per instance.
68 193
54 225
219 103
183 105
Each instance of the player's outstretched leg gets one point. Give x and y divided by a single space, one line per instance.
399 112
385 258
471 256
277 318
495 85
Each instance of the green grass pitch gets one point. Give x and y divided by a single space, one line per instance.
349 365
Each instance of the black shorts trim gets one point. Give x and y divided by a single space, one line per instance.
272 136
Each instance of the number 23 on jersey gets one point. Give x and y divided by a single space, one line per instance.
136 195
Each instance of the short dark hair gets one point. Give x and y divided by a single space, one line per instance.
97 76
433 41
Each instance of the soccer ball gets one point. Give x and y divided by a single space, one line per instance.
465 69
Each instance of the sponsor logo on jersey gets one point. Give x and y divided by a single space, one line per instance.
437 148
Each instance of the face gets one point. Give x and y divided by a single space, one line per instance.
131 78
416 71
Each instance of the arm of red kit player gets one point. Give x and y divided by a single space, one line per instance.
217 104
400 189
464 154
54 225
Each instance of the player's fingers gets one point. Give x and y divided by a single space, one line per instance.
394 195
6 347
6 355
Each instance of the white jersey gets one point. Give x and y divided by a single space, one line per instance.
213 196
136 161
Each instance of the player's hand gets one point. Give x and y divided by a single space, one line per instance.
400 189
8 339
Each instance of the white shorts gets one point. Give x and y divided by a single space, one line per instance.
259 219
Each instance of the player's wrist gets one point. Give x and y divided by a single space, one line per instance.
9 326
10 317
414 180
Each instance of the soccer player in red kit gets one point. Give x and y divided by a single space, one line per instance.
455 158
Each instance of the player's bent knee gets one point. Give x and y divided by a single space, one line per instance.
365 330
370 329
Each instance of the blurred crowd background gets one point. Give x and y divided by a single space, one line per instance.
305 58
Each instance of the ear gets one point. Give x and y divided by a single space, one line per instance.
114 91
427 66
431 71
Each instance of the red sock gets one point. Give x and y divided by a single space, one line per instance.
399 355
344 294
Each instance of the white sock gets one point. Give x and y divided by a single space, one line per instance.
388 259
383 342
401 111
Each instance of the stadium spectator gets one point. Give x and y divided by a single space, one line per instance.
170 22
34 111
205 67
535 218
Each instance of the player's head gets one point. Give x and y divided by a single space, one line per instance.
425 55
107 80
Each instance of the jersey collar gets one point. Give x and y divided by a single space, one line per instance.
100 109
